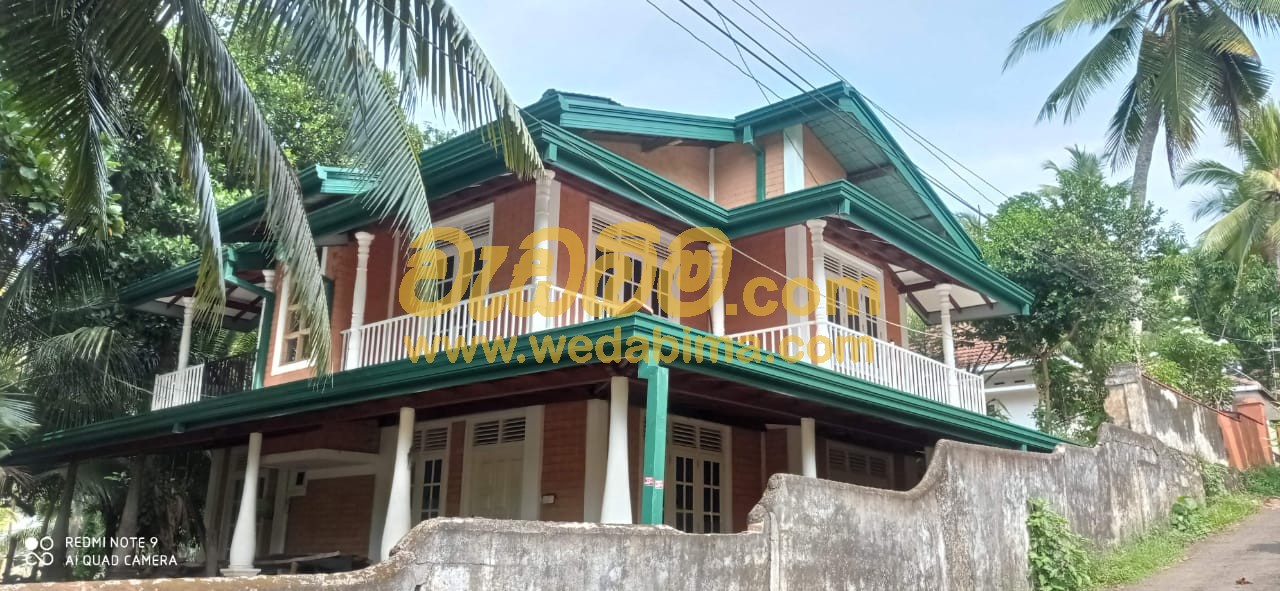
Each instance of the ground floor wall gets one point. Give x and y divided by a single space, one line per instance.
326 491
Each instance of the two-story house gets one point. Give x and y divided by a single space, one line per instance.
811 189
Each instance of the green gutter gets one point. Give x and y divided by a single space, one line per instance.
800 380
264 325
749 139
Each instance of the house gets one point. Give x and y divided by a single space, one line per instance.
811 189
1009 384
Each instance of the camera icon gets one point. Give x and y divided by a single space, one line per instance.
39 551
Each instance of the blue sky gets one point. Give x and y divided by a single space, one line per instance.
935 65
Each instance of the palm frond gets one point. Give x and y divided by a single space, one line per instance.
1208 172
1096 70
1060 21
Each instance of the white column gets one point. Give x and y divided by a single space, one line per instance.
818 270
948 341
269 284
717 269
616 505
544 181
400 498
244 538
184 345
358 297
808 448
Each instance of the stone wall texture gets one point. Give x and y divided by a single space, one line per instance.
1146 406
962 528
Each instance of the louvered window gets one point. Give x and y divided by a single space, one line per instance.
630 285
497 432
431 447
859 309
858 466
696 470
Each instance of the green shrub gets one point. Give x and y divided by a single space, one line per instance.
1214 478
1187 518
1057 556
1263 481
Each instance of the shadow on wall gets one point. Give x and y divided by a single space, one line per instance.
962 528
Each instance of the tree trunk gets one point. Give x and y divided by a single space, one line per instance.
128 522
1142 160
1046 404
58 571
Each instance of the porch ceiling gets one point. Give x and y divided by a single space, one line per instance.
379 390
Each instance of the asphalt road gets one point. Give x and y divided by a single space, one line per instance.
1248 552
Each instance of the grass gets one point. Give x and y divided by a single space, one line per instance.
1167 545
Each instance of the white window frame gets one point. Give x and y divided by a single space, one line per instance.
281 323
875 272
483 213
531 458
419 457
726 475
611 217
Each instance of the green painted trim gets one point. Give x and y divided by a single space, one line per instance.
576 111
241 258
749 138
655 442
266 321
238 221
800 380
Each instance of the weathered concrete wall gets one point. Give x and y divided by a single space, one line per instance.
962 528
1146 406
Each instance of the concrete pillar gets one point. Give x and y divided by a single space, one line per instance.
358 297
808 448
717 273
616 504
948 341
184 345
544 182
400 496
244 538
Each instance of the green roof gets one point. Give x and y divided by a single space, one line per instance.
837 114
471 158
799 380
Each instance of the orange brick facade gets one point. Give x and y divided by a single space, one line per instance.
333 516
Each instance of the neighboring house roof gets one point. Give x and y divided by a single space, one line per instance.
980 354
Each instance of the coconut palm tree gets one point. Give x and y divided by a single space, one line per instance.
1184 60
75 67
1246 203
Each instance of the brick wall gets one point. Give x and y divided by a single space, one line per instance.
820 166
772 146
748 482
359 436
687 166
735 175
775 452
333 515
564 460
769 249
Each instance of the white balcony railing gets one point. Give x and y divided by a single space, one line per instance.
384 341
177 387
875 361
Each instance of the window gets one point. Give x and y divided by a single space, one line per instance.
430 453
662 281
855 465
293 334
861 309
697 469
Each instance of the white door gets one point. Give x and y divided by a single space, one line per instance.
496 467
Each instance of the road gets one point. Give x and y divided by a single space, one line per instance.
1249 551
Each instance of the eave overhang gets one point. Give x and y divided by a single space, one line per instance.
800 380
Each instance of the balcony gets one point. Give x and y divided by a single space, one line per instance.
385 341
206 380
876 361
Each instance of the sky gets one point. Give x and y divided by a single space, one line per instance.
935 65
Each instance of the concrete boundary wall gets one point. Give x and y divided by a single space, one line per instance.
962 528
1141 404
